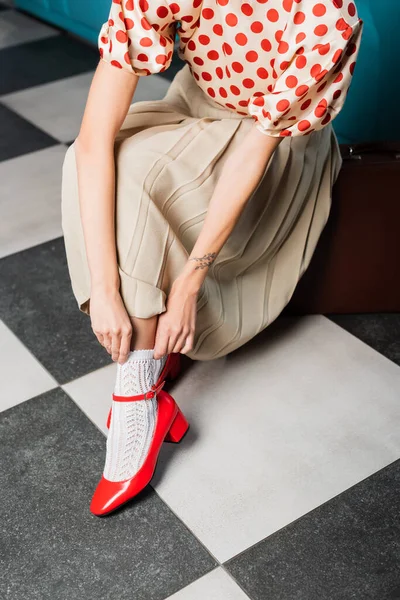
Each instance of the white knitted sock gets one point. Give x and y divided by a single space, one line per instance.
132 423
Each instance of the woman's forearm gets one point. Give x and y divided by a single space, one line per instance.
96 176
108 101
239 178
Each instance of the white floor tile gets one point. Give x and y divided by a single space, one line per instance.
278 428
21 375
17 28
58 107
31 199
217 585
93 394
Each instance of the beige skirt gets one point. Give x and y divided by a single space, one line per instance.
169 155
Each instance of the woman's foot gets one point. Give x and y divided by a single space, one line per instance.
132 423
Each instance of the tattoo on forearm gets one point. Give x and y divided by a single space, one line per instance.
204 261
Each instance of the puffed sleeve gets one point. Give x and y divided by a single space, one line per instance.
138 36
318 52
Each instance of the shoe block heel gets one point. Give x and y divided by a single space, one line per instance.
178 428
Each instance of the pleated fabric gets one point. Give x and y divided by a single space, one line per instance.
169 155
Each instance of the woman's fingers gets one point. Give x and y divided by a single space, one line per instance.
189 343
115 345
161 341
125 346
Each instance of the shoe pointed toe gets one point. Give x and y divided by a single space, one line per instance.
108 496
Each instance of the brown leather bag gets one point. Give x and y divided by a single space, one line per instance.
356 264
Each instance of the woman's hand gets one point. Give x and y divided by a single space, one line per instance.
176 326
111 323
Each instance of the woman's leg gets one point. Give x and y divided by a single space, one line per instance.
144 332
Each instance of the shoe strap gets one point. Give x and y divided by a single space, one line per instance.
153 391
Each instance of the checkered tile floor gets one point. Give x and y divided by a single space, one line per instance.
287 484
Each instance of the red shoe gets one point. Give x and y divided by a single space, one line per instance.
110 495
171 370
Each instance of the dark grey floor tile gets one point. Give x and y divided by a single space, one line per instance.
348 548
53 548
380 331
45 60
37 304
19 136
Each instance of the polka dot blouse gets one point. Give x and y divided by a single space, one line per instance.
286 63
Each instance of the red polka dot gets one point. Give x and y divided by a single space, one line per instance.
213 55
228 73
321 108
338 3
235 90
231 19
206 76
301 62
219 72
241 39
229 105
161 59
266 45
283 47
256 27
145 24
204 39
116 64
146 41
175 8
282 105
341 25
121 36
301 90
306 104
272 15
285 133
208 13
300 37
262 73
251 56
337 94
352 9
299 18
315 69
142 57
259 101
319 10
303 125
337 56
227 49
144 5
323 49
191 45
243 102
287 5
162 12
352 67
217 29
211 92
198 61
326 119
291 81
338 78
246 9
320 30
223 92
128 24
237 67
248 83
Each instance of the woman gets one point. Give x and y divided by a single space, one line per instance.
188 221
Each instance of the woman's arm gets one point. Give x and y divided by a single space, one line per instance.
239 178
109 98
